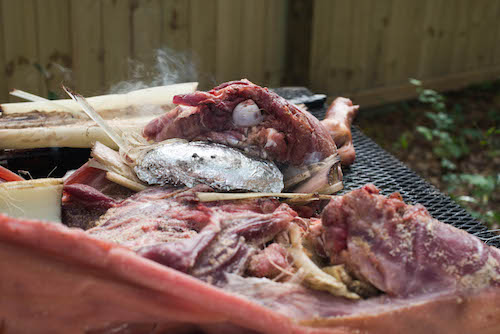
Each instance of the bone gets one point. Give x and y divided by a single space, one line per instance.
338 121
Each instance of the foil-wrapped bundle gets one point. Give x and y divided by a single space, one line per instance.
179 162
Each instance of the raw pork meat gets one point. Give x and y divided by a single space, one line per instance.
280 131
433 278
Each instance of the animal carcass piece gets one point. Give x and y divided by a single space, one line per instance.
257 121
163 262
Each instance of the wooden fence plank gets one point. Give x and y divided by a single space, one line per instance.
253 37
54 46
19 24
320 46
116 41
146 33
298 42
404 41
340 72
496 48
203 40
487 34
4 95
474 53
87 46
275 37
228 52
458 54
176 24
380 22
433 50
361 34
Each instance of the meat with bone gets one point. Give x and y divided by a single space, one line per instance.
257 121
207 241
402 250
131 290
246 116
338 121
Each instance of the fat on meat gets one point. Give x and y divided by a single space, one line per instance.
92 285
283 133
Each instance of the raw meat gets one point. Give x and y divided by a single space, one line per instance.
207 241
282 133
401 249
338 121
436 279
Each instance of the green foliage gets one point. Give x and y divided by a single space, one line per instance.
452 139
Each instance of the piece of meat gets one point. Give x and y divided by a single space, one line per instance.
270 262
402 250
93 286
205 240
338 121
8 176
282 132
87 195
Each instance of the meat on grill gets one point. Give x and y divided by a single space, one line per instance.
282 132
431 277
338 121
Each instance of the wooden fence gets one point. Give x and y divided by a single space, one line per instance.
365 49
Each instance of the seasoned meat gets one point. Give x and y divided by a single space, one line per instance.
274 129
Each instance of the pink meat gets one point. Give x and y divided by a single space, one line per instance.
94 285
401 249
287 134
207 241
338 121
451 284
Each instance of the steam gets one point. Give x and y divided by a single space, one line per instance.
170 67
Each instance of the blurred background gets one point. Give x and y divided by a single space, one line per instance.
409 64
364 49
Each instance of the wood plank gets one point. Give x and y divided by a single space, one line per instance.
454 81
203 40
475 52
4 92
340 71
496 50
176 24
116 41
21 53
229 50
54 46
458 54
275 42
320 45
433 50
404 41
146 28
253 37
298 43
360 26
380 22
88 62
487 34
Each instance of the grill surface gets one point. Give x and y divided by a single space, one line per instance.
375 165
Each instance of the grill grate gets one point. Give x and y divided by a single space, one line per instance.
375 165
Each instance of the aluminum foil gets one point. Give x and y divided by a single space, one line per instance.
221 167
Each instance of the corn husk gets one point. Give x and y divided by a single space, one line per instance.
41 124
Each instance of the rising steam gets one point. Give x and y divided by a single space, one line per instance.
170 67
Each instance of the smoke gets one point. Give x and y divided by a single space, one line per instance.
169 67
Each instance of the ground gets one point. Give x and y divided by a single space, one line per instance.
476 121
